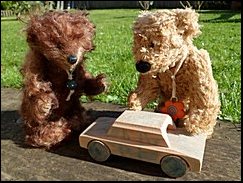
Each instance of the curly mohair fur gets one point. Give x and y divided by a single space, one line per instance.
50 110
164 39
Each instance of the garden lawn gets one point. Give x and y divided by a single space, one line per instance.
221 37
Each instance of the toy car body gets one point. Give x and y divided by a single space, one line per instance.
145 136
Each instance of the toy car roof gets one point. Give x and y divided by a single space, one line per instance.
142 126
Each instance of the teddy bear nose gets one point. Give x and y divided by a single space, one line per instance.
72 59
143 66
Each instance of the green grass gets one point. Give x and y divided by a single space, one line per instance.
221 37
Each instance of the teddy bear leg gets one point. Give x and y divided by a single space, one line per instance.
36 111
38 108
47 134
78 118
201 120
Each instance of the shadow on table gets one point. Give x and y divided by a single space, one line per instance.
12 130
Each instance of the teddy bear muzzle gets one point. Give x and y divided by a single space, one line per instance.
72 59
143 66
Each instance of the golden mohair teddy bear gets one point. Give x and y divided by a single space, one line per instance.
173 70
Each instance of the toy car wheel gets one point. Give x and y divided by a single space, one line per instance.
173 166
98 151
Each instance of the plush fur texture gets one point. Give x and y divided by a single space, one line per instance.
50 110
164 39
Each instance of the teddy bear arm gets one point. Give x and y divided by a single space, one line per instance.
146 91
204 105
203 89
94 85
33 72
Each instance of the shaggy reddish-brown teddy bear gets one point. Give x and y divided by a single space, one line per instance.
55 77
174 70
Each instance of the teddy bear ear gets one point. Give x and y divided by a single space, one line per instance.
187 22
33 29
83 13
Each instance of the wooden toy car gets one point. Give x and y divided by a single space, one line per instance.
146 136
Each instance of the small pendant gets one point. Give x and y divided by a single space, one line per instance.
71 84
174 108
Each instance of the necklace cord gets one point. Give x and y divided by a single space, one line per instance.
185 53
70 77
